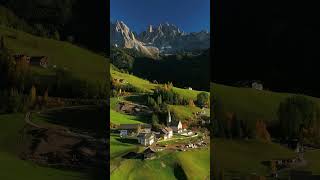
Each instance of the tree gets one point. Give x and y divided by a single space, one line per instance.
191 103
297 113
33 95
45 97
56 35
236 129
70 39
159 100
155 119
219 117
262 132
138 128
203 99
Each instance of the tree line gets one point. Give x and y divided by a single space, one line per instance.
298 117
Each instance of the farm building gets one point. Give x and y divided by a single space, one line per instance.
39 61
166 133
146 139
126 129
256 85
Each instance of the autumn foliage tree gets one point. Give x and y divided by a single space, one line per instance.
262 132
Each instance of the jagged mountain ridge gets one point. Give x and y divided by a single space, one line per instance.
169 38
122 36
165 38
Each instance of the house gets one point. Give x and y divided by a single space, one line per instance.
146 139
176 127
39 61
123 133
166 133
123 81
256 85
126 129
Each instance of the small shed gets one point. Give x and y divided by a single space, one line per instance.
39 61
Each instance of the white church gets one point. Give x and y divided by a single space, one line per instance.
175 126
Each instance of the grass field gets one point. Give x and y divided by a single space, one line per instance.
185 112
313 158
250 104
194 165
118 147
12 167
240 157
82 63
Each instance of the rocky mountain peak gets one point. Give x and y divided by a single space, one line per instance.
121 36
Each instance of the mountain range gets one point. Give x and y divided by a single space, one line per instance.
155 40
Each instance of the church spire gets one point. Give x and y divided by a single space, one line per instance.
169 118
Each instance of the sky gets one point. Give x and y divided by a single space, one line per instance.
188 15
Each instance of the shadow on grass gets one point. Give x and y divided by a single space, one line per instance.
88 119
133 155
179 172
139 99
128 141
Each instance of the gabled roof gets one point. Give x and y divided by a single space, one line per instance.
168 129
145 135
164 131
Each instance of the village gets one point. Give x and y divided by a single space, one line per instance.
173 137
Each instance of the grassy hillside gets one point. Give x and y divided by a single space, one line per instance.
147 86
82 63
12 167
250 104
246 157
165 167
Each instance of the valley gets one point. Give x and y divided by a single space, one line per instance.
166 156
51 108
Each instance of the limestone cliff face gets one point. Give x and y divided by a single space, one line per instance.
168 38
121 36
164 38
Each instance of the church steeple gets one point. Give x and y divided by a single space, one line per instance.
169 118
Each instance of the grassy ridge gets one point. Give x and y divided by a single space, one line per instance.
82 63
250 104
147 86
194 163
245 157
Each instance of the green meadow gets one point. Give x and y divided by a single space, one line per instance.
82 63
250 104
12 167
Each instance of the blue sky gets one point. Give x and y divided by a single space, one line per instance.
189 15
